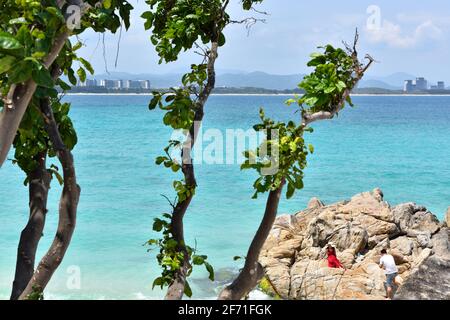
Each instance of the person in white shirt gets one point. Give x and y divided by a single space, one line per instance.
387 263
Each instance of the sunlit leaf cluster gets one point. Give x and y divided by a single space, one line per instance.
325 88
332 75
28 32
177 24
171 259
283 149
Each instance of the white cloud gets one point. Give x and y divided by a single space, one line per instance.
393 35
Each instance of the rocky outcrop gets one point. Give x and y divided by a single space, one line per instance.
294 254
447 218
429 281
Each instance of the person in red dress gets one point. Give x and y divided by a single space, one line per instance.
333 261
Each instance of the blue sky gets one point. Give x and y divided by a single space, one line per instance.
409 36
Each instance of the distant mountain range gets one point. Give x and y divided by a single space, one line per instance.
256 79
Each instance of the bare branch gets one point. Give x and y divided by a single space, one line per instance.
118 45
249 22
171 203
67 206
104 53
259 12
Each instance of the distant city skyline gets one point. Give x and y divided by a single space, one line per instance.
121 80
422 84
411 37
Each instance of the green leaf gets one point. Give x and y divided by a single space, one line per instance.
160 160
71 76
58 176
107 4
81 74
158 225
6 63
290 190
316 55
187 290
77 46
158 282
63 85
20 20
8 42
222 40
210 270
43 78
87 65
20 72
311 148
198 260
154 102
329 90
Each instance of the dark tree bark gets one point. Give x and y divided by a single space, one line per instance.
67 208
176 288
39 184
252 272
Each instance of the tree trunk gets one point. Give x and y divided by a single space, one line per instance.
39 184
252 272
176 288
67 208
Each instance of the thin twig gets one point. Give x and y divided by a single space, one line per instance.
249 22
104 54
172 204
118 45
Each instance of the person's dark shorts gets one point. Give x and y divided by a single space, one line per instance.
390 280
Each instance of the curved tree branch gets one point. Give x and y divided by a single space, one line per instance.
176 288
67 207
39 184
252 272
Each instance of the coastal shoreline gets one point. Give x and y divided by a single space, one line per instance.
262 94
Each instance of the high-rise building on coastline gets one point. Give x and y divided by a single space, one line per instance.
420 84
409 86
136 84
440 86
88 83
117 84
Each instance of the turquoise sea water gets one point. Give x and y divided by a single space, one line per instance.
400 144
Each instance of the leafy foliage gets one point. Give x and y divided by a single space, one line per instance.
177 24
247 4
28 30
324 89
284 149
170 258
332 75
36 294
32 140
